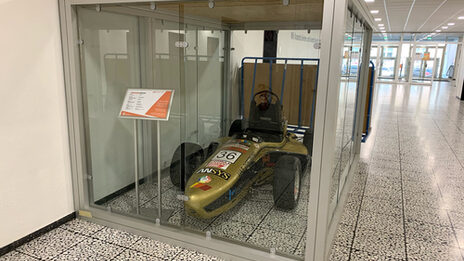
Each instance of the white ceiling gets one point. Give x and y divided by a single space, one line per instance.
418 15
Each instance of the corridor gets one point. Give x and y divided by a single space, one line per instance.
407 200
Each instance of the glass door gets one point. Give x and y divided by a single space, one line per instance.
388 63
424 64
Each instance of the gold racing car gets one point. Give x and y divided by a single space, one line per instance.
215 179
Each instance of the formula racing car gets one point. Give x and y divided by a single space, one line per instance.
257 151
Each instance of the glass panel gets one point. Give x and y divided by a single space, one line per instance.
424 64
405 62
449 59
344 82
387 69
390 52
350 106
110 64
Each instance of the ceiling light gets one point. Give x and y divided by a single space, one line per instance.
374 11
381 24
451 24
378 19
437 31
461 18
383 31
444 27
369 1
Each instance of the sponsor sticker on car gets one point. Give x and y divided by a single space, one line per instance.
227 155
201 186
236 149
217 172
218 164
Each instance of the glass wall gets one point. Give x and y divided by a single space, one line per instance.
417 58
348 92
234 156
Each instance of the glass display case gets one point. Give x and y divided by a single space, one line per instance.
235 162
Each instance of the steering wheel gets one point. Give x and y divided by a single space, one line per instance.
265 99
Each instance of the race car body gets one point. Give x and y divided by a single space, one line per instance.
262 152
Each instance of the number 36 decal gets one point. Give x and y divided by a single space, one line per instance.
227 155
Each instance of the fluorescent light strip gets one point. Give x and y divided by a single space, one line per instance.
386 14
428 18
409 15
374 11
380 19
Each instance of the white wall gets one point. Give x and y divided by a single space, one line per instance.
298 44
460 73
35 179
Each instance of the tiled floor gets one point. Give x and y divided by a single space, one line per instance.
407 201
252 220
82 240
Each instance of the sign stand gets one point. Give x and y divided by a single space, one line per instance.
136 170
147 104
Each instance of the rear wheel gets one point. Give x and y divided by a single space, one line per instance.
193 157
287 181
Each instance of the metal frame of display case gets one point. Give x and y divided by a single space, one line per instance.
321 227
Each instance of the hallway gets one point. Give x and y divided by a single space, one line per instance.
406 202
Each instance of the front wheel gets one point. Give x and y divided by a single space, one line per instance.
193 156
286 183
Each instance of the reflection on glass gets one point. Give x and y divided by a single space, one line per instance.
347 101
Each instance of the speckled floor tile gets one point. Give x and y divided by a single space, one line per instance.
51 244
117 237
381 206
17 256
188 255
250 212
231 229
81 226
359 255
392 224
300 249
427 215
339 253
123 203
433 234
392 193
270 238
180 218
457 218
425 251
349 217
91 249
285 222
156 248
379 242
344 235
129 255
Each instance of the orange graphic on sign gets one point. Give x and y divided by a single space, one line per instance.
161 107
125 113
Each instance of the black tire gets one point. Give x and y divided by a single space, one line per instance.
211 149
236 127
194 157
308 139
287 182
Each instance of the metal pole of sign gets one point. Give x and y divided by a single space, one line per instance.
136 158
159 166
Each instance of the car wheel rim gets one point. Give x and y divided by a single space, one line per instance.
296 187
